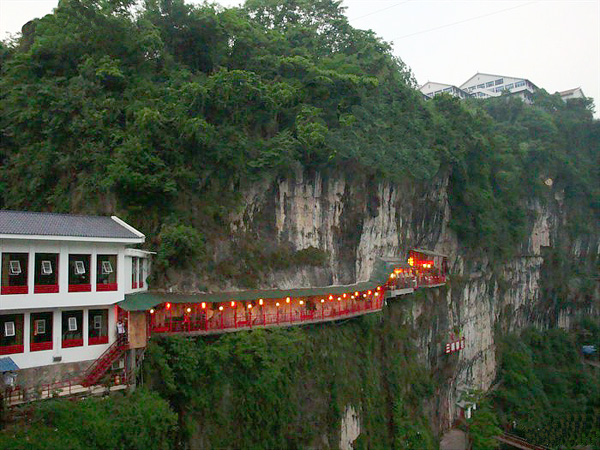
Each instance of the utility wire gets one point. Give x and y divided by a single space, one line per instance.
379 10
462 21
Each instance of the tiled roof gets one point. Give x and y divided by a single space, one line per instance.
66 225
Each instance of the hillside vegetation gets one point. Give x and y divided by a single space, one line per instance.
165 112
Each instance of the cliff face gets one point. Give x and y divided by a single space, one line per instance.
356 220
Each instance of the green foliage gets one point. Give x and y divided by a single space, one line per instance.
289 388
180 245
173 108
138 421
551 396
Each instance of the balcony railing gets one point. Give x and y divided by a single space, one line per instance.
234 320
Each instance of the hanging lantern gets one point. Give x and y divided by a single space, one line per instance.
220 308
369 292
322 300
188 310
232 304
344 295
301 302
168 305
331 297
356 294
260 301
277 304
378 288
203 305
151 310
287 299
249 305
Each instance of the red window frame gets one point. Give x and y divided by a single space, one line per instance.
68 343
45 289
39 346
98 340
80 288
11 349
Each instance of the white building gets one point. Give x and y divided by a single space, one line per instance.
431 89
571 93
485 85
61 277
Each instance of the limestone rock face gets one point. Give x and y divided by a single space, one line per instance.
356 219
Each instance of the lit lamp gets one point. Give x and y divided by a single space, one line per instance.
203 305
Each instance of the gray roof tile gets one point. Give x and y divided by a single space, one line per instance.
52 224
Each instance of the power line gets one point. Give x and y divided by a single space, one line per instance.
462 21
379 10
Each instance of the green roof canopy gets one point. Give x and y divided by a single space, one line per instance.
143 301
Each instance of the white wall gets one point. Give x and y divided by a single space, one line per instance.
64 298
29 359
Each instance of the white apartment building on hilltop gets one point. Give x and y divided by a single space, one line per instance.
431 89
61 277
483 85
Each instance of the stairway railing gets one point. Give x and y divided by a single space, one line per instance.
99 367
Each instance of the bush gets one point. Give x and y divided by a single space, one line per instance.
180 246
139 421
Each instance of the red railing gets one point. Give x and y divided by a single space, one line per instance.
99 367
234 319
17 395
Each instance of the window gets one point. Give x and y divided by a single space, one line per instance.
134 273
106 273
46 273
46 268
519 84
15 268
72 333
509 86
98 330
11 333
499 81
39 326
79 273
14 273
106 268
79 268
143 271
481 86
489 84
41 331
9 329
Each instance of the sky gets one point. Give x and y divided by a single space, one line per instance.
555 44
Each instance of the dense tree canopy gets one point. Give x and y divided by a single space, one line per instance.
168 107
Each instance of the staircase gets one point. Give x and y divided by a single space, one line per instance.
101 365
519 442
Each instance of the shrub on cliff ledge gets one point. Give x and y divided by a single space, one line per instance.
180 245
